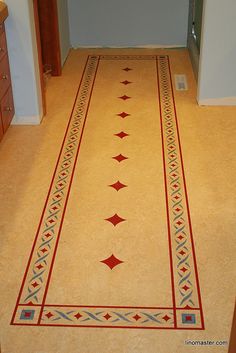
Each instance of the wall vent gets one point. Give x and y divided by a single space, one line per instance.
181 83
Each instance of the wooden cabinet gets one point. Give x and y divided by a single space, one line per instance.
6 98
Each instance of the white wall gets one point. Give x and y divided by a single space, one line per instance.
217 73
128 23
63 28
23 61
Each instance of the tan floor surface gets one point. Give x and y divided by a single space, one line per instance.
27 159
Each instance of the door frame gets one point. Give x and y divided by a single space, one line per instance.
39 49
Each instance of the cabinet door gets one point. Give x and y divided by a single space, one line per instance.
3 45
5 80
7 109
1 128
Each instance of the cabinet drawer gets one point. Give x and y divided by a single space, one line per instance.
3 45
7 109
2 28
5 80
1 130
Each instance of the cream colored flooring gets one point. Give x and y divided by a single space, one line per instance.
27 160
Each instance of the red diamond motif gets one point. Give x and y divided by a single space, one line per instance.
107 316
115 219
176 197
123 115
78 316
118 185
44 250
39 266
112 261
49 315
182 252
177 209
48 235
127 69
188 318
121 134
179 223
166 318
26 315
35 284
51 221
120 158
180 237
183 269
124 97
185 288
136 317
126 82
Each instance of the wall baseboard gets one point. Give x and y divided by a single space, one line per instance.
26 120
227 101
148 46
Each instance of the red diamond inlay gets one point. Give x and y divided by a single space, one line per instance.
126 82
118 185
188 318
182 252
183 269
179 223
124 97
127 69
107 316
78 316
185 288
180 237
121 134
39 266
136 317
112 261
35 284
120 158
123 115
49 315
166 318
26 315
48 235
44 250
115 219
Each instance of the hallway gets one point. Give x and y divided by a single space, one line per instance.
28 156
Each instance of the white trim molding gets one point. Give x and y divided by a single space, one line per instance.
227 101
26 120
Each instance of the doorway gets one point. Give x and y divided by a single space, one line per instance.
48 41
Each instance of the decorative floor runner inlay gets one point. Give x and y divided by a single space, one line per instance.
114 247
